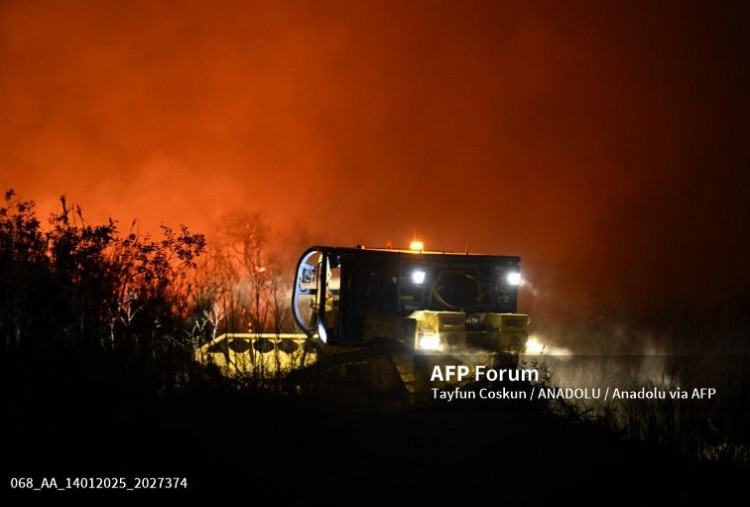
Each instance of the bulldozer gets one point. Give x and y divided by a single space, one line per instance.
385 323
384 327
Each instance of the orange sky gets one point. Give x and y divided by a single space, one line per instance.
604 142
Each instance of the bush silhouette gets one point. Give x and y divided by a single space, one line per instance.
86 295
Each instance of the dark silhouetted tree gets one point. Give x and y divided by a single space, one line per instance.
83 291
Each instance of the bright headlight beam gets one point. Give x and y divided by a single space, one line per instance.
513 278
534 346
418 276
429 341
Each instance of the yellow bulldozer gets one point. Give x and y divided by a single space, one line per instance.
377 322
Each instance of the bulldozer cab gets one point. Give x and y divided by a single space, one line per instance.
426 301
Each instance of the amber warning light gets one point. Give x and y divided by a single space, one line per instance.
417 246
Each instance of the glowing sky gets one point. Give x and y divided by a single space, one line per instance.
604 142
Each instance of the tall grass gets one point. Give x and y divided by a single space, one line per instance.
686 349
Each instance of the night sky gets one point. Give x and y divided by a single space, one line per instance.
606 143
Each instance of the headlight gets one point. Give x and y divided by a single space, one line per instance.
429 341
513 278
534 346
418 276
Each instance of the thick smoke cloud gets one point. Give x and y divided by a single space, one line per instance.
605 143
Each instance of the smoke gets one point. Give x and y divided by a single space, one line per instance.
604 144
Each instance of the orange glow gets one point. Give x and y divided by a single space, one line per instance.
605 151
